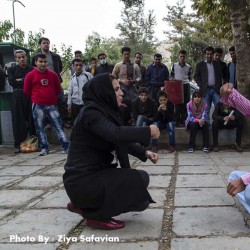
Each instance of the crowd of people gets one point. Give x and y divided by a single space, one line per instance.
118 110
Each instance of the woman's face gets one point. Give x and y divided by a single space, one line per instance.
118 92
197 100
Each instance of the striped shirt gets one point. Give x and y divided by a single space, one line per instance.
246 179
238 101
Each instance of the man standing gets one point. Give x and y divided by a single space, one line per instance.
137 60
208 76
22 120
128 74
156 74
182 71
232 67
104 66
217 57
76 83
54 64
43 86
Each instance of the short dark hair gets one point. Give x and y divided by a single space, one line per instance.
209 48
93 59
182 51
125 48
232 48
40 55
158 55
43 38
78 52
101 54
196 93
218 50
139 53
76 60
143 90
162 93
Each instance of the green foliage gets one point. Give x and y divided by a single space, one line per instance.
190 32
217 16
137 30
5 28
96 44
129 3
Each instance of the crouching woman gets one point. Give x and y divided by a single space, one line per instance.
98 189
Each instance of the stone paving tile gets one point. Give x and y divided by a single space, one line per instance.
243 161
195 161
49 159
114 246
46 222
156 169
16 198
55 171
161 162
199 197
8 180
199 181
4 212
159 196
196 155
40 181
210 221
221 243
59 198
206 169
19 170
138 225
159 181
20 246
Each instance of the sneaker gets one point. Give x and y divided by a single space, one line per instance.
17 150
215 148
43 152
206 150
190 150
171 149
154 148
65 151
238 148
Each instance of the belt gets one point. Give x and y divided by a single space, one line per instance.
211 87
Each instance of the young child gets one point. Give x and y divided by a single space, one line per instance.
197 119
164 118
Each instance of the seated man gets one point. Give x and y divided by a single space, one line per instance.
143 110
226 117
239 184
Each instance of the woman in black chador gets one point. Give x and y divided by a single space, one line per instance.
98 189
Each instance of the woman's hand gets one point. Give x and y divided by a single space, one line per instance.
153 157
155 132
235 187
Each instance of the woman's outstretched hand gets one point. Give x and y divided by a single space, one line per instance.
153 157
226 89
155 132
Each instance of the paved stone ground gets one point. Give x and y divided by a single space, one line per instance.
192 209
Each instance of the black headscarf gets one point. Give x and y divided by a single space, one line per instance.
98 93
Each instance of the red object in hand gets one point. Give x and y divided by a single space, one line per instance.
175 92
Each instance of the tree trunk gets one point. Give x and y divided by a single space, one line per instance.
239 18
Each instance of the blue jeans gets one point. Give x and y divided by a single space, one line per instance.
143 121
39 113
171 131
211 96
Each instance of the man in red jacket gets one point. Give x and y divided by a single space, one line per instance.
43 86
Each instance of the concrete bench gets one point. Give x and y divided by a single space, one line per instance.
226 136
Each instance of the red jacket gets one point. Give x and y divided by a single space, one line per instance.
43 88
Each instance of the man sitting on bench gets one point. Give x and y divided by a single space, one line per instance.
226 117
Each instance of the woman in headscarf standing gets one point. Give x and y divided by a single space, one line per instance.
98 189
